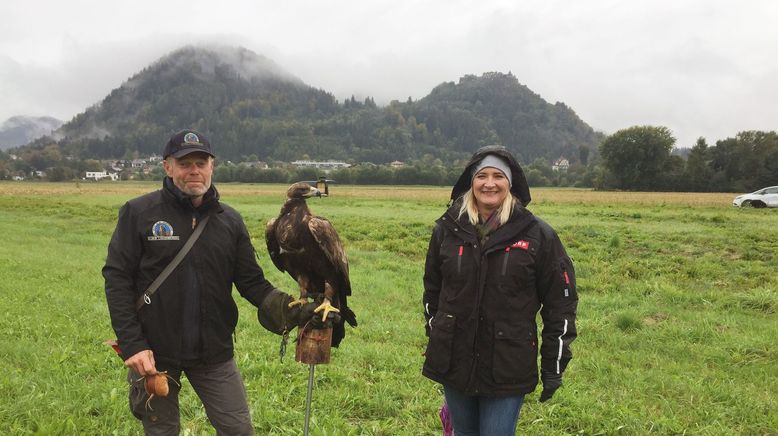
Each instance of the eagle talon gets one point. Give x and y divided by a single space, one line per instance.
298 302
325 307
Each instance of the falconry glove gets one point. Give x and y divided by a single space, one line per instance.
317 323
275 315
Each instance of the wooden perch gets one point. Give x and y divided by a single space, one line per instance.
313 346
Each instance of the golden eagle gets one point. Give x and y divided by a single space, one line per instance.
308 248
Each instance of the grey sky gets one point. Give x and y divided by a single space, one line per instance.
699 67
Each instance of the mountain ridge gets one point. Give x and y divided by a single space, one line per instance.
250 106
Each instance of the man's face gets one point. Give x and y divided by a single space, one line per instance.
191 173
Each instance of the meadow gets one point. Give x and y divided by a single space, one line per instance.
676 320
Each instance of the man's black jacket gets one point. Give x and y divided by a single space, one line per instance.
150 231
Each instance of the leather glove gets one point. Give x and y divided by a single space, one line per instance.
275 314
551 382
317 323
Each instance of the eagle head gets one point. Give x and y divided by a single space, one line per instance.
302 190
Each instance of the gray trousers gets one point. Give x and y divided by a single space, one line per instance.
219 387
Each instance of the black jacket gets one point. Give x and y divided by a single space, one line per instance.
481 302
198 291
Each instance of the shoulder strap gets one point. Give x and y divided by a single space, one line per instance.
146 297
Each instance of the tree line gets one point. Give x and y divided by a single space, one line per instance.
638 158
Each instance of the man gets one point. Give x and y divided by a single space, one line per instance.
186 326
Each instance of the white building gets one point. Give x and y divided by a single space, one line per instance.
98 175
561 164
327 165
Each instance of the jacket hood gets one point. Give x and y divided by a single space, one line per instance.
519 186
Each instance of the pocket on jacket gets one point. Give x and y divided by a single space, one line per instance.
456 262
440 343
516 268
514 356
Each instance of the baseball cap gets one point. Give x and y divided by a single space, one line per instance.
185 142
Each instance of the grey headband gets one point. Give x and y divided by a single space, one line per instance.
493 161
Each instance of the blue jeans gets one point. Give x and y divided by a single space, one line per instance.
486 416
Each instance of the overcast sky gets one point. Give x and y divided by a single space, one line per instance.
699 67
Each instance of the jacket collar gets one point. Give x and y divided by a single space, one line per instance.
520 219
210 199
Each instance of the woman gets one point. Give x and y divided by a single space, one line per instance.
490 267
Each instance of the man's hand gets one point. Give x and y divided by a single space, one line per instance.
276 315
142 363
551 382
317 323
299 315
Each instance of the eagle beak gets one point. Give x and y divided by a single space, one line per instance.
315 192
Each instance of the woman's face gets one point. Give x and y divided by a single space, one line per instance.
490 187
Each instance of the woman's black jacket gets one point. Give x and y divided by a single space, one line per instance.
481 302
222 256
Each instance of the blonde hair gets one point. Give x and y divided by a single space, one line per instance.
469 206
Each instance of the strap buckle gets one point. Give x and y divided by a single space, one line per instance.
146 298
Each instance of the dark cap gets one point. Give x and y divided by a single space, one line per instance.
185 142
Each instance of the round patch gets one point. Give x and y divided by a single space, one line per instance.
191 138
162 228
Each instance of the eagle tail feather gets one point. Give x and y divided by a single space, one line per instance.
349 316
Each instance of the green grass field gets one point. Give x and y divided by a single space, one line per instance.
677 316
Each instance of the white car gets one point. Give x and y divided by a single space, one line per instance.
765 197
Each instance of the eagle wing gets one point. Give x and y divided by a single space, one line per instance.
329 242
273 246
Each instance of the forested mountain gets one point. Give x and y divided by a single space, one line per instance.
495 108
20 130
250 106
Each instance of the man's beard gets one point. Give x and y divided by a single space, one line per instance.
195 192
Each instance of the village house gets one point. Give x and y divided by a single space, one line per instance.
98 175
258 164
326 165
561 164
138 163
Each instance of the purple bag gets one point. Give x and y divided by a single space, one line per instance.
445 419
